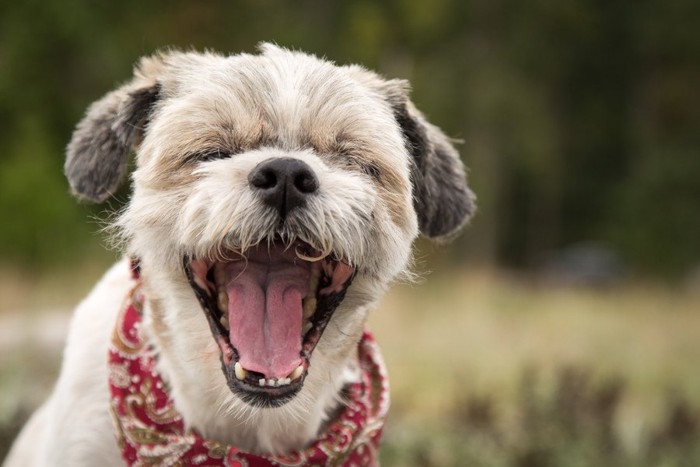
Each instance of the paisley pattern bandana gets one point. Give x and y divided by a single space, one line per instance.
150 431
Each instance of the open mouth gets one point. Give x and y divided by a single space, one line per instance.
267 309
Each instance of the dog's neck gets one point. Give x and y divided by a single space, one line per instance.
265 430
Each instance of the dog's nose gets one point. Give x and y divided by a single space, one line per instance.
284 183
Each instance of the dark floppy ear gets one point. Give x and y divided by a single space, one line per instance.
98 153
443 201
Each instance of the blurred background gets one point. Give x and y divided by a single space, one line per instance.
562 327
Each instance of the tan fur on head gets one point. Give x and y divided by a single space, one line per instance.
199 124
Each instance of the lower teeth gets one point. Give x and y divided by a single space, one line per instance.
272 382
241 373
309 307
305 329
298 371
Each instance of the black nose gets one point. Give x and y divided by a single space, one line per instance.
284 183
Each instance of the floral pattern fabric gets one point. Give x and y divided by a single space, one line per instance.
150 431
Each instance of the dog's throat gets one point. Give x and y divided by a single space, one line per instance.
267 310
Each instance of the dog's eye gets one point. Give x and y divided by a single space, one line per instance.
208 155
367 167
371 169
361 164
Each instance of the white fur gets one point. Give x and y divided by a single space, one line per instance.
73 427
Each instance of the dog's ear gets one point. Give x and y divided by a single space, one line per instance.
443 201
98 153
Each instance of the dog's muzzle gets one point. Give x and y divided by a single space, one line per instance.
268 306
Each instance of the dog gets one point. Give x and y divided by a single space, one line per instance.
275 197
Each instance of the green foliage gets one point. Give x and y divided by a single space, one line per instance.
580 119
41 223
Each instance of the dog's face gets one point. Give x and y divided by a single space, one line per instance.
277 193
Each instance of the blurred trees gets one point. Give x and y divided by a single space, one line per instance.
580 119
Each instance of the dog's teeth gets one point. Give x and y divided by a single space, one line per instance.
241 373
274 382
309 303
224 322
223 301
271 382
305 328
298 371
219 275
282 382
313 281
309 307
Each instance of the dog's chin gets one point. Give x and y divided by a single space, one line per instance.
267 308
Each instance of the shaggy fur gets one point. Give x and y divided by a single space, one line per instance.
199 124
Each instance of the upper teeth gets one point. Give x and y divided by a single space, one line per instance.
219 275
309 303
315 276
222 301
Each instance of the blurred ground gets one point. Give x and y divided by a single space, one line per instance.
491 370
485 369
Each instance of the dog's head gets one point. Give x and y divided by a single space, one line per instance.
285 190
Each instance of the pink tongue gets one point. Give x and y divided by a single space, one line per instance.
265 310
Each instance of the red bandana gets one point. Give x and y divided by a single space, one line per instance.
150 431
